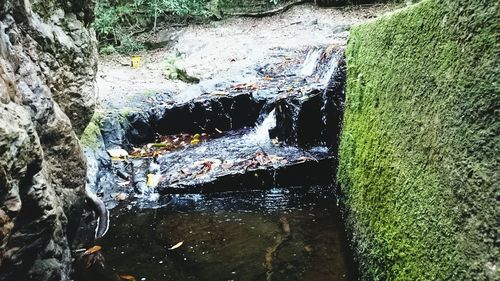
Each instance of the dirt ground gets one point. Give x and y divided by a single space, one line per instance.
228 48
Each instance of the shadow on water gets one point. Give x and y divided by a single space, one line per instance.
279 234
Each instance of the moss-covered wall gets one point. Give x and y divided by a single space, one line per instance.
419 155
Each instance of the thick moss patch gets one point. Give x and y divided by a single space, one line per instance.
420 148
91 136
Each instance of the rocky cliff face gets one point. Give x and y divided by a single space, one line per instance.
47 70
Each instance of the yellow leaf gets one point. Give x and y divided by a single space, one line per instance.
152 180
195 141
176 245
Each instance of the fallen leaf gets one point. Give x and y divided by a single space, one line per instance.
219 93
92 250
207 166
275 158
152 180
121 196
303 159
227 165
268 78
117 159
127 277
239 86
117 153
176 245
252 86
195 141
123 183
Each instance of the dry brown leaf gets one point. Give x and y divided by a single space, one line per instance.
127 277
92 250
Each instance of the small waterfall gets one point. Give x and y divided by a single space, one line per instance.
330 68
260 134
310 63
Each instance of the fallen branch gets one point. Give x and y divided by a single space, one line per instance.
274 11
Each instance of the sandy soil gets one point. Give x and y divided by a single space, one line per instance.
228 48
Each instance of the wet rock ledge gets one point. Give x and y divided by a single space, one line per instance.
47 70
280 130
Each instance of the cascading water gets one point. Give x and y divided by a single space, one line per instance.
287 182
311 62
260 134
331 67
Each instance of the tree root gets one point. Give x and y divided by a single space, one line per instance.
281 239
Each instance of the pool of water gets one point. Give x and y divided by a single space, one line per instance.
279 234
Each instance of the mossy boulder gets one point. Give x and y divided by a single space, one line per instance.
419 149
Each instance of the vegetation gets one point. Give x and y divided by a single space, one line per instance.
92 134
118 20
419 146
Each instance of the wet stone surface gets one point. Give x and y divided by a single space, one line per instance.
279 234
208 168
302 93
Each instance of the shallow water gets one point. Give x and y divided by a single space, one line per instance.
235 149
279 234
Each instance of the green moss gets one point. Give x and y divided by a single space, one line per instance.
91 136
419 148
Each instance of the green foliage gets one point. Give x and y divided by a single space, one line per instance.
117 20
174 71
419 148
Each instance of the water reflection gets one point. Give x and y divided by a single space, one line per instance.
279 234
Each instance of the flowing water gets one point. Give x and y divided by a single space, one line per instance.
310 63
279 234
260 134
274 234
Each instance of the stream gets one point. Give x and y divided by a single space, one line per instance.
231 183
278 234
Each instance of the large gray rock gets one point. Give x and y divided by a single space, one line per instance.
47 72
